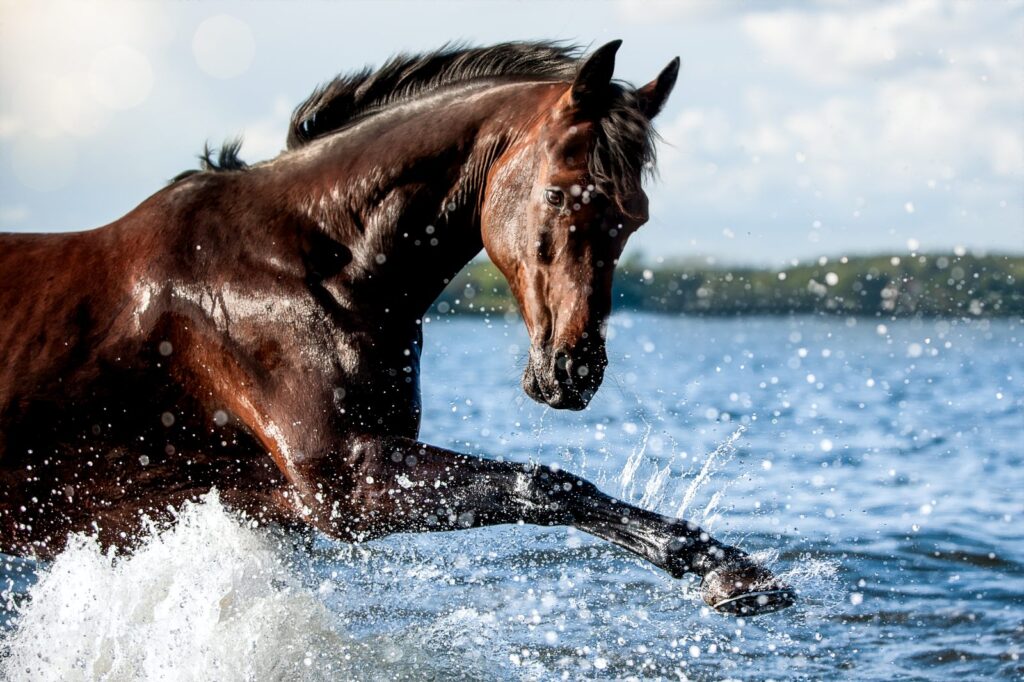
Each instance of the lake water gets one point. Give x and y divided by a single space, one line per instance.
877 466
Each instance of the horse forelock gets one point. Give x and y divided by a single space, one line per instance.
624 149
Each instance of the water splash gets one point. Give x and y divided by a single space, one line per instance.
815 579
718 458
627 479
711 514
206 599
655 480
654 490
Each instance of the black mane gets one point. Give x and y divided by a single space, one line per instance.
625 144
227 160
348 98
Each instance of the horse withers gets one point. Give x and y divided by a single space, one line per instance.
258 328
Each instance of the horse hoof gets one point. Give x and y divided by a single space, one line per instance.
745 589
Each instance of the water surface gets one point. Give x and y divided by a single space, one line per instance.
876 465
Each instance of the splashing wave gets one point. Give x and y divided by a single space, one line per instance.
208 598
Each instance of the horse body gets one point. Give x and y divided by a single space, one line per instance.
259 330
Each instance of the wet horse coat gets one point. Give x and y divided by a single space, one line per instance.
258 329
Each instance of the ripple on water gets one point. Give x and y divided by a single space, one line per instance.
887 495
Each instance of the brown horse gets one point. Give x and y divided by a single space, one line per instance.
258 328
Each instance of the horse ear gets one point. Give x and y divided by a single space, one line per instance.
653 95
591 84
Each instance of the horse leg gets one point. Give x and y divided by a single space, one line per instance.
403 485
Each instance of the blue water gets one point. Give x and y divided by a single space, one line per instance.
876 465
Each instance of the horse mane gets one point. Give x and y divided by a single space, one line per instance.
349 98
624 152
227 160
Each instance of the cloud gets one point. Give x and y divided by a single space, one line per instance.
703 157
265 137
866 120
832 119
828 47
658 11
924 92
787 113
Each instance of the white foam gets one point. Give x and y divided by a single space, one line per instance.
206 599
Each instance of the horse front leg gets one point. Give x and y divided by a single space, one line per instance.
403 485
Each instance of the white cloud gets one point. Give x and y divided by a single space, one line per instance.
652 11
699 157
763 140
1006 150
659 11
265 137
865 121
826 47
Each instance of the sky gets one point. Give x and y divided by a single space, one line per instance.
796 129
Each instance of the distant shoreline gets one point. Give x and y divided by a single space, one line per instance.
883 286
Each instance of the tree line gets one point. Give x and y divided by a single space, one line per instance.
934 285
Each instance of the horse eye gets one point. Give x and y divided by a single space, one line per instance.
555 197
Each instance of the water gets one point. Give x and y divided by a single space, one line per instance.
878 468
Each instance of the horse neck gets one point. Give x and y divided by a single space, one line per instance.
402 190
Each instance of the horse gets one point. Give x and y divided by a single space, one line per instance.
258 328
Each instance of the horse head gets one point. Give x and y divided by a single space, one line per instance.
558 207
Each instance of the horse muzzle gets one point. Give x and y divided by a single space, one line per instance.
564 378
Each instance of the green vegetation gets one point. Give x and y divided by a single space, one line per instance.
889 286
